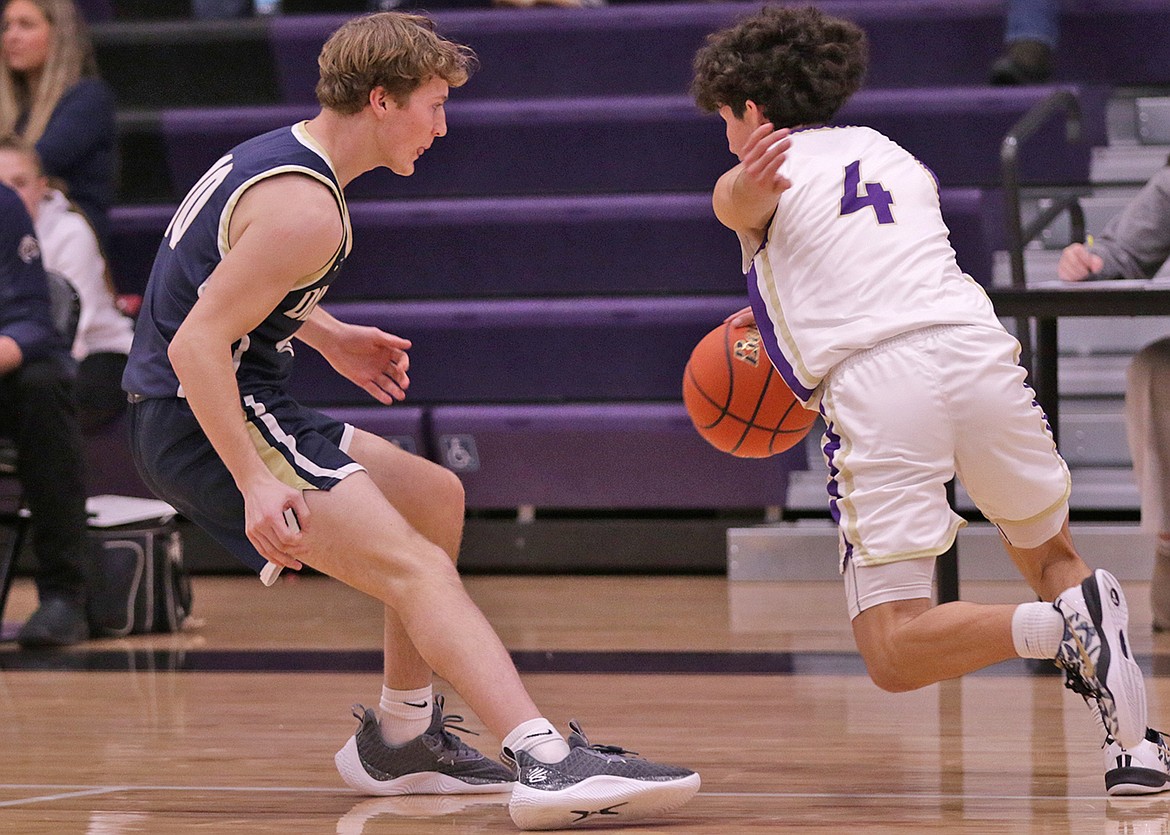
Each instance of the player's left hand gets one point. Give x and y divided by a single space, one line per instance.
373 360
741 318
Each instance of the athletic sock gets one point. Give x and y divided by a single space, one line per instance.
539 739
1037 629
405 714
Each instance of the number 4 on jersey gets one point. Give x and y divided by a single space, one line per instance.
854 199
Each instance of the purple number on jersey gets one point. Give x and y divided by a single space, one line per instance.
875 196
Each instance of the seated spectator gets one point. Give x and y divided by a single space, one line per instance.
37 412
70 247
51 96
1135 244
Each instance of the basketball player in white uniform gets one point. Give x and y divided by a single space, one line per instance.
865 313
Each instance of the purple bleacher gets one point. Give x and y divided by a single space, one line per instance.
618 245
399 424
642 144
600 456
109 467
528 351
648 48
135 233
551 246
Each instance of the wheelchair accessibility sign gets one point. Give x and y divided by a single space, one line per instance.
459 453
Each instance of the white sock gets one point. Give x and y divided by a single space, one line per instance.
540 739
1037 629
405 714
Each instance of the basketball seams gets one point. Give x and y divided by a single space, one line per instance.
752 428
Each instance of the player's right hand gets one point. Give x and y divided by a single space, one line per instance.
265 525
1077 263
762 155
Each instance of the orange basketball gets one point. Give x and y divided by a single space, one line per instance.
735 398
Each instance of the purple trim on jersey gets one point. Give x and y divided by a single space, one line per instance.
831 447
768 335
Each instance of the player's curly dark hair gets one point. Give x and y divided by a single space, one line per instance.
797 64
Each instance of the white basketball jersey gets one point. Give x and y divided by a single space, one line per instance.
856 253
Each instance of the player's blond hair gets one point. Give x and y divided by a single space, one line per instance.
70 59
396 51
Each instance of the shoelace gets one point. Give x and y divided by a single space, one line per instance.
616 750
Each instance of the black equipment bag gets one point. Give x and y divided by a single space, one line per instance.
137 580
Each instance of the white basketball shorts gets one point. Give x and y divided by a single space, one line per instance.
904 417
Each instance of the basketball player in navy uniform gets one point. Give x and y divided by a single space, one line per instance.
864 312
240 274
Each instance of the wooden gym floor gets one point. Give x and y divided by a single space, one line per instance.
232 726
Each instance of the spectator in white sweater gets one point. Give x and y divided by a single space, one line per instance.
70 247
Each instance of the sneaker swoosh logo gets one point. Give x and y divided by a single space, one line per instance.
541 733
608 810
416 704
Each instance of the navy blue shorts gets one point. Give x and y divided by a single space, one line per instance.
302 447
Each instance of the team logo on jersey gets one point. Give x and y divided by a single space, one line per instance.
747 349
305 306
28 249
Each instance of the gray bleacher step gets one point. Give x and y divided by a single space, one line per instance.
1104 488
807 551
1153 120
1123 163
1093 376
1099 209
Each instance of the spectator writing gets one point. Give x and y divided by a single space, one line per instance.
1134 245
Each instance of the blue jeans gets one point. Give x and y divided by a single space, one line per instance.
1033 20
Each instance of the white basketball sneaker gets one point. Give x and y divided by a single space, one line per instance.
1142 769
1096 657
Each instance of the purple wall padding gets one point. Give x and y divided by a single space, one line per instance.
401 425
627 455
534 351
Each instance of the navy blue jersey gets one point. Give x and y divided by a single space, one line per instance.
25 313
195 242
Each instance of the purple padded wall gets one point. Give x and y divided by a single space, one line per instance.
528 351
595 146
399 424
613 455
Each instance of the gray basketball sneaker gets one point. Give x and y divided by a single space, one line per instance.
1096 658
594 784
437 762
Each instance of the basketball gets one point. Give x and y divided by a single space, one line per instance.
735 398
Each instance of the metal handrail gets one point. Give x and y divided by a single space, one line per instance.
1009 152
1018 234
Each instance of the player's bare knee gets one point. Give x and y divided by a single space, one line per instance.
425 564
450 492
891 670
